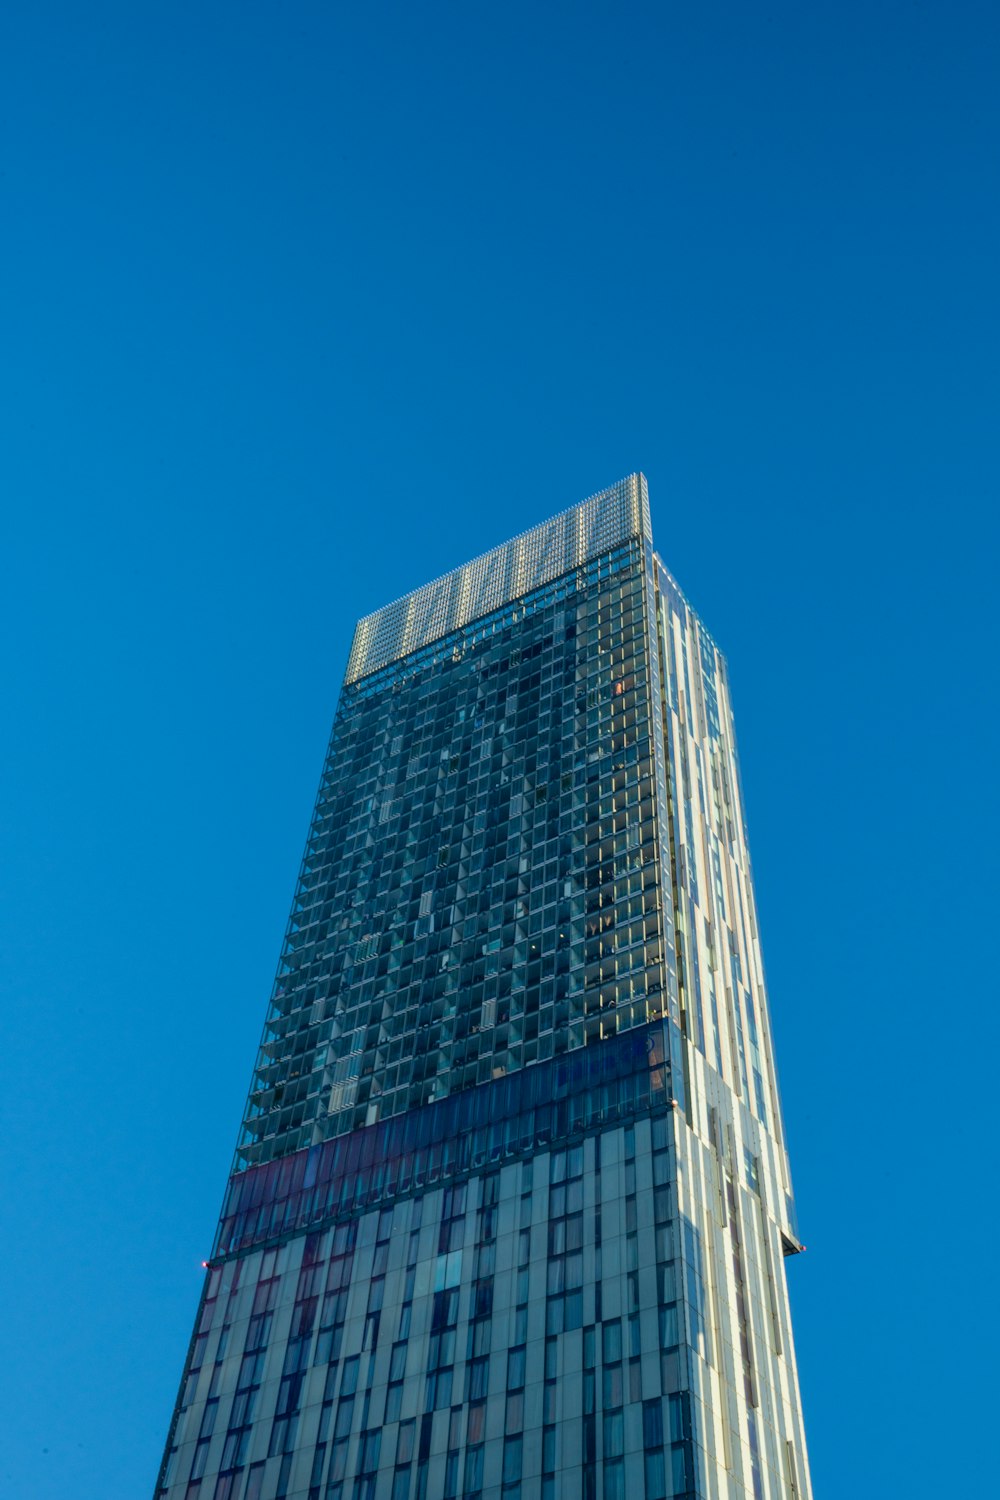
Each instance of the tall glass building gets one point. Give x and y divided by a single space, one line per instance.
510 1208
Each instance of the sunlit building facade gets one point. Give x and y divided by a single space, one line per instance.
510 1209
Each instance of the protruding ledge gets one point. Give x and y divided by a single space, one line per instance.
527 562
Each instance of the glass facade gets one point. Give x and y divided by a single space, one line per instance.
510 1204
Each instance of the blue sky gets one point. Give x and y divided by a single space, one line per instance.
302 305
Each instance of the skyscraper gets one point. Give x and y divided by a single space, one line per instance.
510 1205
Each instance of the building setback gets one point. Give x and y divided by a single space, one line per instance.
511 1203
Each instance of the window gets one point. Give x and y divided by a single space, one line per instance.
613 1392
283 1435
477 1378
255 1481
548 1450
441 1350
511 1460
438 1390
656 1475
369 1450
614 1434
480 1338
476 1430
473 1469
680 1468
345 1417
678 1420
652 1424
235 1448
404 1442
669 1336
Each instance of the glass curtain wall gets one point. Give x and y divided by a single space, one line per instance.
510 1205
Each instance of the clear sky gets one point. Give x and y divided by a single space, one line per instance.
304 304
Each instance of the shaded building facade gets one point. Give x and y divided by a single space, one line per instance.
511 1203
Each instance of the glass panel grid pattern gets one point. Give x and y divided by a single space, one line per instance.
481 888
